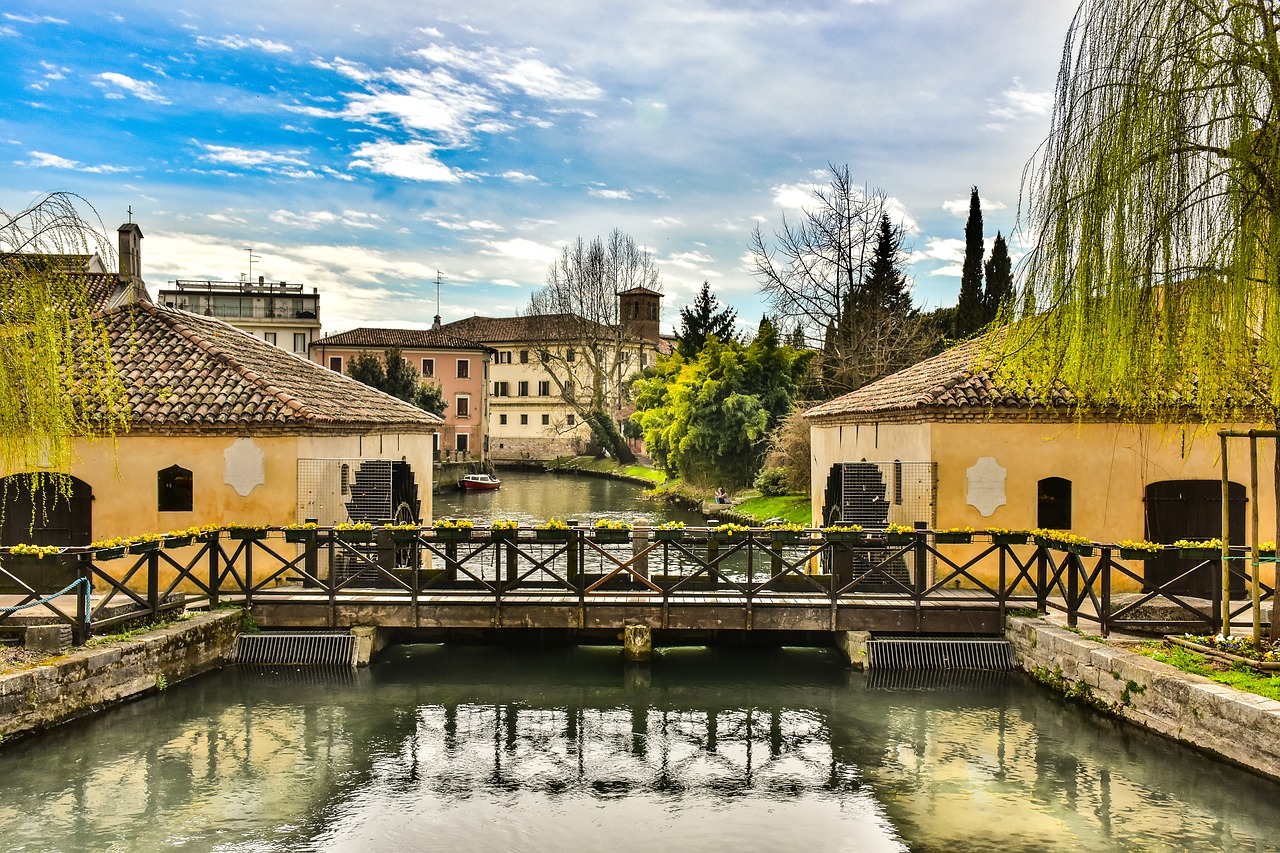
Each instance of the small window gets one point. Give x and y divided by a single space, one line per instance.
500 389
299 341
335 363
544 389
174 489
524 356
546 420
269 337
522 389
572 420
345 473
524 420
462 441
462 406
464 368
1053 509
502 420
428 367
570 355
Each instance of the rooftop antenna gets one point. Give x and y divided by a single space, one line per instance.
252 258
439 278
130 214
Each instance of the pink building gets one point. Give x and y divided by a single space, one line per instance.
458 365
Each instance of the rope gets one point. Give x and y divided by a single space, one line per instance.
75 583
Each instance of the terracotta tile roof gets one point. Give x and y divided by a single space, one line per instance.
951 381
503 329
372 338
187 371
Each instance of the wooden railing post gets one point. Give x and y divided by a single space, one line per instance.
1042 579
214 570
1075 565
84 605
1104 595
153 584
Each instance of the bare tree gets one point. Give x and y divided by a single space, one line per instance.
835 276
586 350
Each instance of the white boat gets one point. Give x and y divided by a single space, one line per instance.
479 483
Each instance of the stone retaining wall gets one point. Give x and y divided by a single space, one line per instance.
88 680
1243 728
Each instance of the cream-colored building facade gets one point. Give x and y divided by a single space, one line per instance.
224 428
529 418
936 445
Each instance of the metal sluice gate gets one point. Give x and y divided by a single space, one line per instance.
303 649
934 653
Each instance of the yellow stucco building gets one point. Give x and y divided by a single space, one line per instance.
939 445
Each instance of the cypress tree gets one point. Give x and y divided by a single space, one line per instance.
707 316
970 311
999 295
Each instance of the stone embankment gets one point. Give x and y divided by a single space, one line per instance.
1243 728
90 679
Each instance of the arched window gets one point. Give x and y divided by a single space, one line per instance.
1053 505
174 489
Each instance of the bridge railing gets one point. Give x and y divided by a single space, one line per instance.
758 565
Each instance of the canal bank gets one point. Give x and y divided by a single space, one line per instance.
1239 727
91 679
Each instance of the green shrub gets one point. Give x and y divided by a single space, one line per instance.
771 482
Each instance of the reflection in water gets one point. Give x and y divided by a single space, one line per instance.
457 748
533 497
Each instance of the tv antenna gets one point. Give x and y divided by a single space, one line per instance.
252 258
439 278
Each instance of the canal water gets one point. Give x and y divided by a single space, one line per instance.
531 497
495 748
465 748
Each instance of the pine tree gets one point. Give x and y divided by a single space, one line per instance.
999 295
703 319
886 286
970 312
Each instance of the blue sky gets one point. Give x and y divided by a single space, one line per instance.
361 147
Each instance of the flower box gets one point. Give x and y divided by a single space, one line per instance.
245 535
668 535
952 538
727 535
612 537
900 538
211 536
785 537
113 553
404 535
144 547
354 536
1137 554
1009 538
552 535
452 534
504 534
1199 553
177 541
1042 542
1078 550
845 536
303 535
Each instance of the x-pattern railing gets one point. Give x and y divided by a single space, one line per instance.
758 565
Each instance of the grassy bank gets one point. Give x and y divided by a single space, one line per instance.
794 508
608 467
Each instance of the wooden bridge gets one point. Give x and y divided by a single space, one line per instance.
691 580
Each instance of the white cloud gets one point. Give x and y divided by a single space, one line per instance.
33 19
517 176
242 43
250 157
320 218
140 89
616 195
472 225
523 250
414 161
1016 104
688 260
514 70
43 160
960 206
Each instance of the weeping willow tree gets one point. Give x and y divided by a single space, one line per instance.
57 381
1155 281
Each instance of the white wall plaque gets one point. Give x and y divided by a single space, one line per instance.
986 486
244 470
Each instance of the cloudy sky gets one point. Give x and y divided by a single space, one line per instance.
360 147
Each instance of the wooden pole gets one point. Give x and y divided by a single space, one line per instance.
1226 542
1254 580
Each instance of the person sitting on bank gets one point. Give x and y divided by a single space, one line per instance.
721 497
